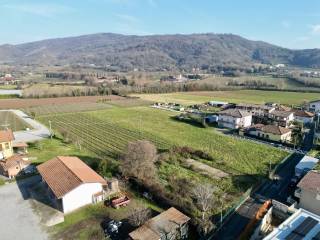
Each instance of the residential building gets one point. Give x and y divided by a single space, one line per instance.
256 109
314 106
6 143
11 164
306 164
303 116
308 192
71 183
301 225
234 119
282 118
270 132
170 224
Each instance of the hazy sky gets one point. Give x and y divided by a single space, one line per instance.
288 23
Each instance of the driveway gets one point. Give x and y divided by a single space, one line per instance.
18 220
37 133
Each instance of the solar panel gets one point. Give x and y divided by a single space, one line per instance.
317 236
304 228
294 236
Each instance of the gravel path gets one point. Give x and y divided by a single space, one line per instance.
18 221
39 131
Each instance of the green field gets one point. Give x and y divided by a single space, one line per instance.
106 133
10 120
238 96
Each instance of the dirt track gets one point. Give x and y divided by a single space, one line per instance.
24 103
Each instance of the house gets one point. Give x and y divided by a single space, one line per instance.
314 106
6 143
170 224
306 164
234 119
11 164
270 132
256 109
301 225
308 192
304 116
71 183
283 118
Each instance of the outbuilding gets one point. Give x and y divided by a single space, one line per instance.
306 164
71 183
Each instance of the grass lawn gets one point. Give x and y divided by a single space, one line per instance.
48 149
12 121
244 96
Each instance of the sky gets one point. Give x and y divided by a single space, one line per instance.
288 23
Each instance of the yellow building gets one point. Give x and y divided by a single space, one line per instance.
271 132
6 144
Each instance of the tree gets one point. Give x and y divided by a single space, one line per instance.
139 215
138 161
203 195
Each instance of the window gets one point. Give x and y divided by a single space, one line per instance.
267 136
6 145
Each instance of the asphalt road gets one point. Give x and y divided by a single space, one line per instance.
18 220
277 190
38 131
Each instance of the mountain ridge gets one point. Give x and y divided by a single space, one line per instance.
156 52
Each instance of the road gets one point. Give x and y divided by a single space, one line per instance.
37 133
277 190
18 220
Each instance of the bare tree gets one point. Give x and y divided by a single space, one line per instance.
138 161
203 195
139 215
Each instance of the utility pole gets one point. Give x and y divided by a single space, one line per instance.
50 129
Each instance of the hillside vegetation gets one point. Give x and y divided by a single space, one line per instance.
156 52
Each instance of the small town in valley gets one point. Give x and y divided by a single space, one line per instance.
159 120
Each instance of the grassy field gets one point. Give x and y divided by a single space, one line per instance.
106 133
10 120
243 96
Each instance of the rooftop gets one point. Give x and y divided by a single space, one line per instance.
166 221
278 113
307 162
6 136
301 113
310 182
234 113
277 130
257 106
63 174
302 225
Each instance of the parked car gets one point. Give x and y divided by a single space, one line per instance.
111 228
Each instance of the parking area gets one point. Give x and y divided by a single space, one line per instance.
18 220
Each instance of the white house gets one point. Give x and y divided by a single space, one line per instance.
308 192
301 225
71 183
234 119
283 118
314 106
271 132
303 116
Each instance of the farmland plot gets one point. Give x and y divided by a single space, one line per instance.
10 120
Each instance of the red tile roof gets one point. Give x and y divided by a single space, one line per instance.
6 136
301 113
310 182
63 174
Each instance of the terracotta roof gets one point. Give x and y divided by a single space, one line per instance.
63 174
6 136
283 114
19 144
310 182
234 113
277 130
301 113
13 162
166 221
284 108
256 106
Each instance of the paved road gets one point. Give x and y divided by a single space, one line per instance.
277 190
39 131
18 221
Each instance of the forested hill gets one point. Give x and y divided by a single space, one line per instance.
155 52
